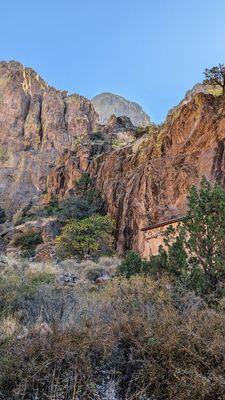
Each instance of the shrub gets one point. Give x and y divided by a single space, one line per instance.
27 242
97 136
86 191
90 236
75 208
83 184
150 130
132 265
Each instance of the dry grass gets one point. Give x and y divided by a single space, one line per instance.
82 269
134 339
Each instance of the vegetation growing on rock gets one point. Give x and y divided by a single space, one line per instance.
215 76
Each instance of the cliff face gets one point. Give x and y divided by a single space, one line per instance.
48 139
149 181
107 104
37 125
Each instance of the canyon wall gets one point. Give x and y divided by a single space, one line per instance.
38 124
149 181
48 139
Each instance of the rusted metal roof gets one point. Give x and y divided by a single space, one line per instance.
163 223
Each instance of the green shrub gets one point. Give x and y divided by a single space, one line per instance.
132 265
90 236
83 184
150 130
75 208
27 242
195 253
97 136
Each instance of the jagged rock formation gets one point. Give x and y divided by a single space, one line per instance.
48 139
37 125
149 181
107 104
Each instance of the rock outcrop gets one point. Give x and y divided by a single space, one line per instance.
37 125
48 139
148 181
107 104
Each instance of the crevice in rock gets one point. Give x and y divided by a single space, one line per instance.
218 167
26 112
40 119
64 115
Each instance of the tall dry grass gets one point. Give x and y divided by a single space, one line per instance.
132 339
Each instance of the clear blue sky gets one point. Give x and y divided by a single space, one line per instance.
150 51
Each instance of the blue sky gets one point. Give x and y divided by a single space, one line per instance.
150 51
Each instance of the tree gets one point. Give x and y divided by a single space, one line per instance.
89 236
196 254
215 76
204 232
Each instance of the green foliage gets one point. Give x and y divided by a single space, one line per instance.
97 136
118 143
195 251
27 242
204 235
87 201
89 236
132 265
74 207
215 76
146 130
51 208
83 183
86 191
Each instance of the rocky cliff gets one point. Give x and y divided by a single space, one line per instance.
149 181
38 124
107 104
48 139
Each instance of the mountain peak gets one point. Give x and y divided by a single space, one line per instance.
107 104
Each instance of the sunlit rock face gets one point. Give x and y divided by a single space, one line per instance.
37 125
48 139
148 181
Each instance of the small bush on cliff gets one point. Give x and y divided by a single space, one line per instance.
215 76
150 130
75 208
86 191
90 236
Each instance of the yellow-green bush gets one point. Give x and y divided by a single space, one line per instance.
90 236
